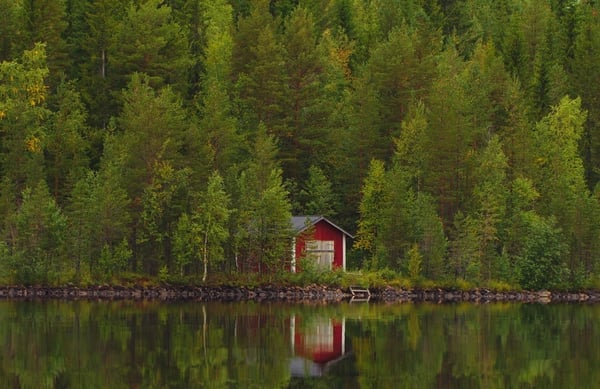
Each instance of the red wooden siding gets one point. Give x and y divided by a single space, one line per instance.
324 231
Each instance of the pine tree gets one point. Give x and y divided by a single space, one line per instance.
102 18
45 21
490 195
410 216
75 33
263 230
67 146
335 50
148 40
153 126
163 201
80 226
110 214
9 28
399 71
218 121
449 139
304 140
372 206
317 194
560 177
153 129
584 73
259 71
40 229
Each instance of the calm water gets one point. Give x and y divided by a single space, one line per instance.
191 345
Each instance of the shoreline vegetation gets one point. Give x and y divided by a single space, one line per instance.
303 287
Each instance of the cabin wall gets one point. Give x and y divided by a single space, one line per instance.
324 231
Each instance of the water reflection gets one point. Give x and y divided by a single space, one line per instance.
248 345
317 345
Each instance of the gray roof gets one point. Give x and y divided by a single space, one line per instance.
300 223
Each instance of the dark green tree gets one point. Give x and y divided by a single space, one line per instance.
66 144
399 71
163 201
148 40
44 21
9 29
101 20
259 72
490 201
152 132
111 215
38 253
449 139
585 72
263 225
305 139
216 111
317 194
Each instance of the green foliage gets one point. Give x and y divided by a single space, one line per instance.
147 40
310 273
317 194
45 21
263 226
23 117
9 27
445 125
415 262
38 248
66 143
464 248
212 217
540 265
185 243
113 260
216 109
371 208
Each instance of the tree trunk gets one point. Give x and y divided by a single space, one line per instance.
205 254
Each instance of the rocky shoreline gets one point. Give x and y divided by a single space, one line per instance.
312 293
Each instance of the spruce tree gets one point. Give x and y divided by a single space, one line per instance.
263 227
216 110
148 40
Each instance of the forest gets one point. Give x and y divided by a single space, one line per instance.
458 139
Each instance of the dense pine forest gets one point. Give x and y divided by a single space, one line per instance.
459 140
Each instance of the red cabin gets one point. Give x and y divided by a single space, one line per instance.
318 238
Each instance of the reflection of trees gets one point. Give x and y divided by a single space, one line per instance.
491 346
121 345
131 344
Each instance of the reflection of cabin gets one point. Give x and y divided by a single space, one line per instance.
318 238
317 345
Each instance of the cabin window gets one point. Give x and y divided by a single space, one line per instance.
322 251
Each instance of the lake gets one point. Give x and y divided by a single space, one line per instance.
81 344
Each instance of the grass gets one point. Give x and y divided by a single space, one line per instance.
309 276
